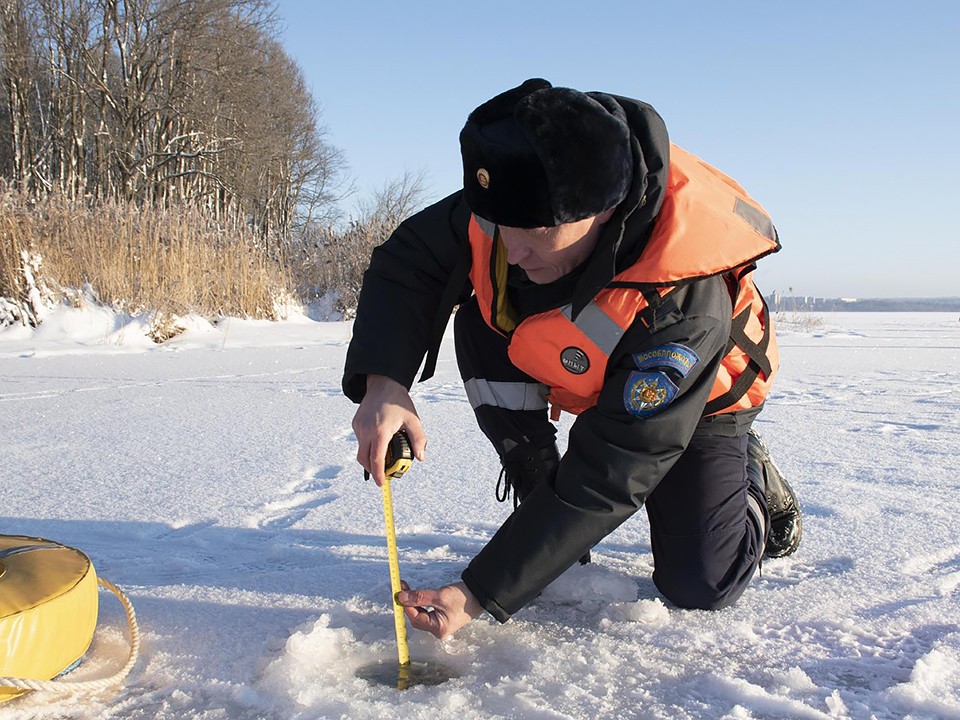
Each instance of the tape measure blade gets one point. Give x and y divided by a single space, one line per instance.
399 619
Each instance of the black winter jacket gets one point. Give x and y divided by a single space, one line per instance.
613 459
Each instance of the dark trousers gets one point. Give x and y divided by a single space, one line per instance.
706 542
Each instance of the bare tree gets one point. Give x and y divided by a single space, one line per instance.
163 101
336 258
18 65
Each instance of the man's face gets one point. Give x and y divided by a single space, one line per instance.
549 253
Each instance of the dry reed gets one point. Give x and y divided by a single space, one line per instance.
173 261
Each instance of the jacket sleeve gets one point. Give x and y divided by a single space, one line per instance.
401 292
614 457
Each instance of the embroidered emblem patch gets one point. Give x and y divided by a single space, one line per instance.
670 355
575 360
646 393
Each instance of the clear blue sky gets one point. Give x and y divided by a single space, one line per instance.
842 118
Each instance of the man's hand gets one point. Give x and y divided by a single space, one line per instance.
441 611
385 408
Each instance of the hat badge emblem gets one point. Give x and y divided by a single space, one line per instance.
483 177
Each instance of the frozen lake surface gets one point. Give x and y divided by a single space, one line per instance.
214 479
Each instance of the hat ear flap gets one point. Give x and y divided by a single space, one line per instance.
584 148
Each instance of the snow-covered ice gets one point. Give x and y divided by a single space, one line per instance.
214 479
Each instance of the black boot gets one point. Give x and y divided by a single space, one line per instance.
524 468
786 522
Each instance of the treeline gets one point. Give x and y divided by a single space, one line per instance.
166 156
161 102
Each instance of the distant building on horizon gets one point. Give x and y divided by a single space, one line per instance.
807 303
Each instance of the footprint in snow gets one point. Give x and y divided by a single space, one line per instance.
943 566
297 498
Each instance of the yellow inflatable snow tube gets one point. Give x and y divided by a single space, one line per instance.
48 608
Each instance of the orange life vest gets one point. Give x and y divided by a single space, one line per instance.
708 225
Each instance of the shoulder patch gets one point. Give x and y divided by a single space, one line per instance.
670 355
646 393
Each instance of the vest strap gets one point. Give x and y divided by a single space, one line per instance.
659 307
756 352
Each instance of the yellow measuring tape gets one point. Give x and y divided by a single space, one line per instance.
399 619
398 460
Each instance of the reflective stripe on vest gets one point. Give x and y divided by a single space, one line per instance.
593 322
488 227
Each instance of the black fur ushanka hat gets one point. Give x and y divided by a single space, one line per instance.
539 156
